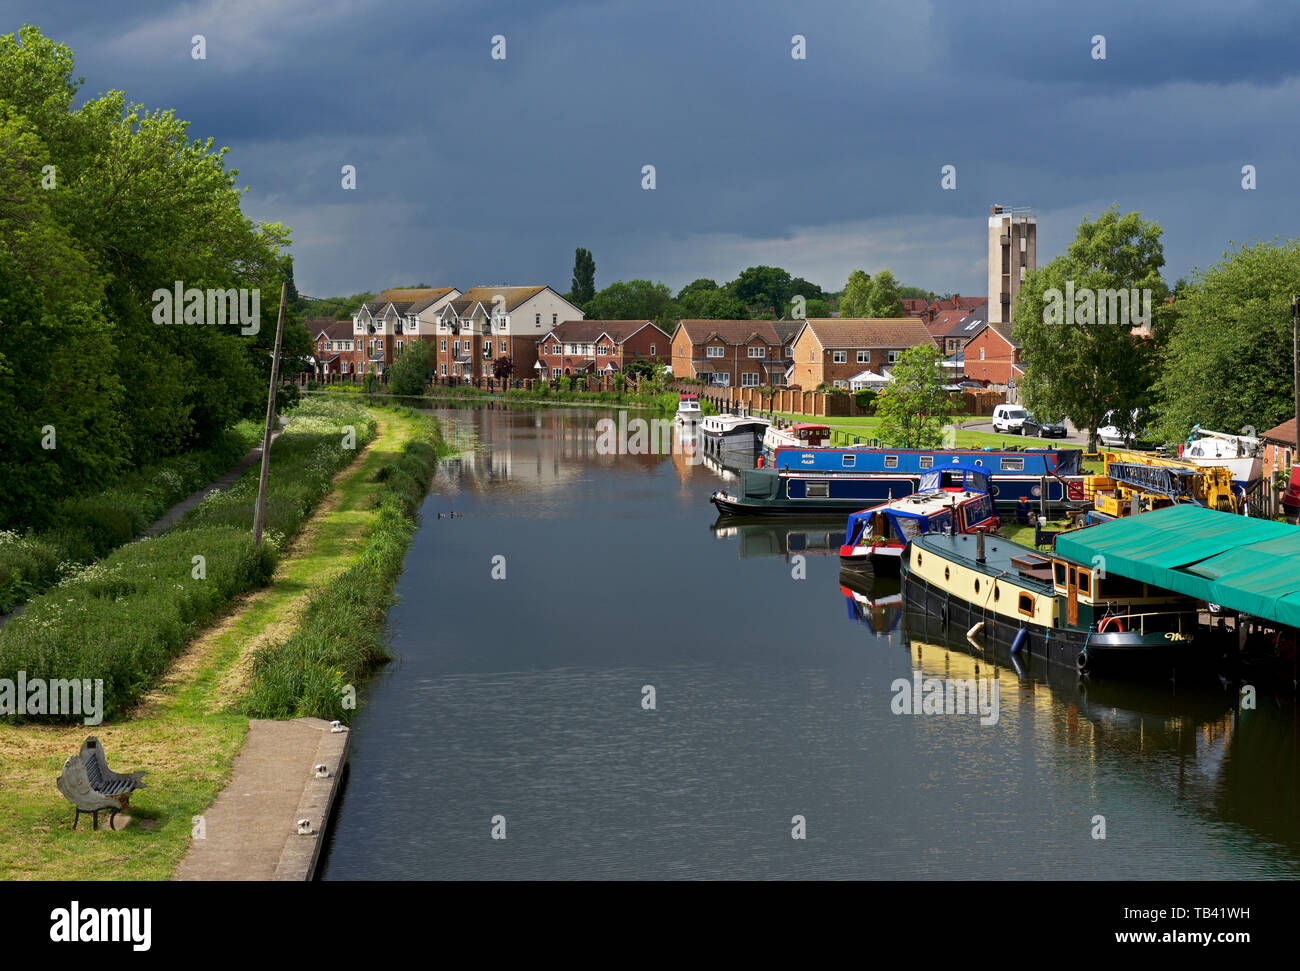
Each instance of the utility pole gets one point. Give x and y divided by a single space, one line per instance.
259 512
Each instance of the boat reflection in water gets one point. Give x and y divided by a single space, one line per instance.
764 537
873 600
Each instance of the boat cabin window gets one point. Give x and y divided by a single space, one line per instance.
1013 465
1025 604
891 461
927 461
1084 577
849 461
818 490
1058 574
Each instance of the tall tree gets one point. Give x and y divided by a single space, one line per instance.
762 287
584 278
914 407
633 300
856 298
1076 365
1227 362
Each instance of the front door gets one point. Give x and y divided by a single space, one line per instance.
1072 597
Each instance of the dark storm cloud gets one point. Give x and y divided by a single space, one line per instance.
472 170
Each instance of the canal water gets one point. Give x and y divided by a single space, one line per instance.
588 666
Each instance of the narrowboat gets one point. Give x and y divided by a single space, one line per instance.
951 499
849 479
733 433
802 435
1037 605
689 411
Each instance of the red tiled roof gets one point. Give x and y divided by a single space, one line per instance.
586 331
735 332
851 332
1283 433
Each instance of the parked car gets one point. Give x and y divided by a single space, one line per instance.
1043 429
1291 495
1009 419
1111 436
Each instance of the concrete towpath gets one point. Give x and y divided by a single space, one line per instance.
286 772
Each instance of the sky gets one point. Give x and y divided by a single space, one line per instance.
474 170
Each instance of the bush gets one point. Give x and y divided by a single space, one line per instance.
339 639
865 399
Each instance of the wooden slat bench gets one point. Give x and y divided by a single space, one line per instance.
92 787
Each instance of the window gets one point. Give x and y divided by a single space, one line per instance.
1084 576
789 352
652 350
555 348
891 461
1025 604
538 320
1013 465
399 346
455 347
555 372
818 490
553 319
503 345
713 351
570 349
600 350
927 461
839 357
864 357
757 351
748 380
981 353
849 461
442 344
840 384
442 369
812 358
893 357
487 348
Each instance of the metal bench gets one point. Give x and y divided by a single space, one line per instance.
92 787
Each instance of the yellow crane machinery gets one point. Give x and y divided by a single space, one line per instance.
1152 482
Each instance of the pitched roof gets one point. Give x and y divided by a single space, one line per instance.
416 298
787 330
944 322
731 331
332 329
514 296
586 331
1002 328
1284 433
850 332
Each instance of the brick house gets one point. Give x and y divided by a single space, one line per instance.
599 347
732 353
332 347
835 350
382 328
992 355
485 323
1278 448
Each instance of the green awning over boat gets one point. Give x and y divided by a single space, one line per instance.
1249 565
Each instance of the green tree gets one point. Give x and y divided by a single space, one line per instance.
1227 362
715 304
1075 365
634 300
914 407
584 278
762 287
409 374
856 299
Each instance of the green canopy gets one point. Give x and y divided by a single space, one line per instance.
1249 565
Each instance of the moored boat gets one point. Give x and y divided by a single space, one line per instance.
733 433
801 435
951 499
689 411
1069 613
1239 454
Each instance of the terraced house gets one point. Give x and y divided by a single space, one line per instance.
333 347
383 327
733 353
599 347
485 323
834 351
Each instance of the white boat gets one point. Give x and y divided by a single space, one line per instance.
689 411
1239 454
801 435
733 433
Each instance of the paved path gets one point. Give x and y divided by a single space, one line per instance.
250 831
173 515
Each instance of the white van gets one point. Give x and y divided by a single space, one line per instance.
1009 419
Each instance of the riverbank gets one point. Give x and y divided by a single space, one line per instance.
188 729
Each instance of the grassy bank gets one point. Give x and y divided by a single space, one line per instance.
121 619
188 728
84 528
